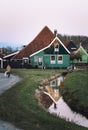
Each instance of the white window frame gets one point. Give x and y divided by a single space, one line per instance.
40 60
35 58
56 48
53 61
53 83
60 61
25 60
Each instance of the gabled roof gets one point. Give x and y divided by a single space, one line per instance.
56 38
42 40
70 46
11 55
81 50
78 53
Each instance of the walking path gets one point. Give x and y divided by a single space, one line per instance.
5 84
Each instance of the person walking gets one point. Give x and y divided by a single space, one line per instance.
8 71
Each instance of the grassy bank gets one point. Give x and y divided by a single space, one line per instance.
19 105
75 91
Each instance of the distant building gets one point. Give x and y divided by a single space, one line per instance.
1 61
80 55
8 59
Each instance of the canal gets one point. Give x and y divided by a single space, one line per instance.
49 95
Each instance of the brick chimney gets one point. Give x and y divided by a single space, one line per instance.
55 32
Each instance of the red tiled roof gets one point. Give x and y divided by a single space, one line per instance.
42 40
66 43
70 46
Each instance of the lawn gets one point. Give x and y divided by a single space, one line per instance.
20 107
76 91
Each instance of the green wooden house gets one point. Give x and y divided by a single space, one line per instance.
55 55
80 56
45 51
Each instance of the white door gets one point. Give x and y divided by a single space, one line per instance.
40 62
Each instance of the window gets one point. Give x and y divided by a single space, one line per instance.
40 61
56 48
52 59
25 60
35 58
60 59
53 83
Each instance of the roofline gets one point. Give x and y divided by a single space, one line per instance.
83 50
11 54
50 45
1 58
63 45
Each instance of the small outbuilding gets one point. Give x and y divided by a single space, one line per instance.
80 56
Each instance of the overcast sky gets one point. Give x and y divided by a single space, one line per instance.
22 20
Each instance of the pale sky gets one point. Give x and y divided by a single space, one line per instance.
22 20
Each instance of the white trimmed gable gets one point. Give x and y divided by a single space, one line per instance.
56 38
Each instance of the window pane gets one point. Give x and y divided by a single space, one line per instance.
52 59
36 58
60 59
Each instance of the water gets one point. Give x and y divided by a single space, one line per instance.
63 111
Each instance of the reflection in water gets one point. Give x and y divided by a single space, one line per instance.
59 107
53 91
52 88
63 110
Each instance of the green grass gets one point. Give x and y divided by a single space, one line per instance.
20 107
76 91
77 82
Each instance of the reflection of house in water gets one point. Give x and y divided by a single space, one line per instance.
48 91
52 88
53 91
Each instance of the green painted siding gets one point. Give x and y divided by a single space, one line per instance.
83 54
34 59
50 50
62 50
46 60
51 58
84 59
